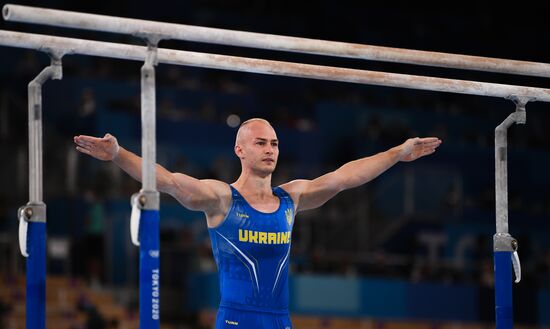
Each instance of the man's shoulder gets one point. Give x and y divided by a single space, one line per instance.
217 212
295 189
218 186
294 186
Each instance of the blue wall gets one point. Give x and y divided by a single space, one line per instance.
361 297
370 297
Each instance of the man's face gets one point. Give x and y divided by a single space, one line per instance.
258 147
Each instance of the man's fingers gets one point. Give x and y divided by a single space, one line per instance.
431 145
81 141
428 151
89 139
431 141
427 140
84 143
428 146
83 150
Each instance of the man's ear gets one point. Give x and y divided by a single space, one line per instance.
239 151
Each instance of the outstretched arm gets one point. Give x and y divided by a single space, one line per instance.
309 194
194 194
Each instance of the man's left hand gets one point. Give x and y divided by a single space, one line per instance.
415 148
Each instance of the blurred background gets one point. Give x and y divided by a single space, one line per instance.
411 249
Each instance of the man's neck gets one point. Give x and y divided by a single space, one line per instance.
254 184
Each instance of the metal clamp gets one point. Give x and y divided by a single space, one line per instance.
56 65
150 38
152 41
148 200
152 55
520 114
32 212
505 242
143 200
515 261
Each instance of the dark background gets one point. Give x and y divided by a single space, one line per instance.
380 230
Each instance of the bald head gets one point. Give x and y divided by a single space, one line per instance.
257 147
248 127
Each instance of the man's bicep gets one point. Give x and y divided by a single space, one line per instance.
311 194
195 194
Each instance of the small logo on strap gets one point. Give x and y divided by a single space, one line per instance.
241 215
289 216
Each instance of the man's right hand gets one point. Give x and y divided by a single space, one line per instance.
105 148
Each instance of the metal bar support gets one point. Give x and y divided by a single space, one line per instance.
32 216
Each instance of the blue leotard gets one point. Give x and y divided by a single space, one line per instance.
252 251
